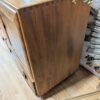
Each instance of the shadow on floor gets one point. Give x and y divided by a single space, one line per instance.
78 76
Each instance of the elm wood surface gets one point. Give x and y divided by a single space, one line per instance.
16 40
52 34
2 30
13 40
20 58
3 35
8 11
24 3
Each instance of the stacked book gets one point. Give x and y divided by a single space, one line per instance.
91 51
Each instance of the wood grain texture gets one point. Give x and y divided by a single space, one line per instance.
12 84
2 30
14 87
90 96
15 44
7 10
53 33
24 3
3 35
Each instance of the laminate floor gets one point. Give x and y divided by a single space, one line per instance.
14 87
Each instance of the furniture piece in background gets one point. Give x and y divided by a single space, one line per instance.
45 38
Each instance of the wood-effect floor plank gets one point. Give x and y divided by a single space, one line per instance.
14 87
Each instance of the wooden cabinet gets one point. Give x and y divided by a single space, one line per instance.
3 36
16 44
45 37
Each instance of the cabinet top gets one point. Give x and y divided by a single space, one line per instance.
24 3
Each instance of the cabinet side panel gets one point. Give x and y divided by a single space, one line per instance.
12 40
25 59
54 34
16 43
